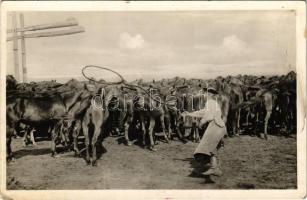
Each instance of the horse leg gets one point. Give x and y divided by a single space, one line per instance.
174 125
184 140
180 135
63 138
290 122
238 121
167 125
94 145
9 152
50 129
234 126
169 135
267 117
163 128
188 133
256 129
87 142
247 117
76 131
53 140
269 105
32 137
197 138
24 138
193 136
126 126
150 132
142 121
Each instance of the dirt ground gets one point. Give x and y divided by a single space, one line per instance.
247 162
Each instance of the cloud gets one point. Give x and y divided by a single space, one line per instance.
127 41
231 46
234 46
231 49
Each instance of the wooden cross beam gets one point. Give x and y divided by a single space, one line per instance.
70 31
68 22
71 23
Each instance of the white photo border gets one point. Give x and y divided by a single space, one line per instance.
298 6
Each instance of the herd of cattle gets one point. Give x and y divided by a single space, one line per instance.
145 111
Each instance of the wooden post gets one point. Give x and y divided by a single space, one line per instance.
21 73
15 46
23 50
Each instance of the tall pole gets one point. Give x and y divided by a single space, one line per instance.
21 72
15 46
23 50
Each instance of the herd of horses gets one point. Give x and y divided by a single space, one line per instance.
145 111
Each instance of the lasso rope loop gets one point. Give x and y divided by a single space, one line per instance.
122 80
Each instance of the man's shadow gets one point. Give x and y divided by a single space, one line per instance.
196 172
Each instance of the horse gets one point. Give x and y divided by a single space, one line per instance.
149 105
93 122
32 109
121 109
235 95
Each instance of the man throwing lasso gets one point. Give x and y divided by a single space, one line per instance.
206 152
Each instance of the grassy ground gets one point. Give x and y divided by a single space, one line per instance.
247 162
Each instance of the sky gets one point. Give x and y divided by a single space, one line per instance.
156 45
